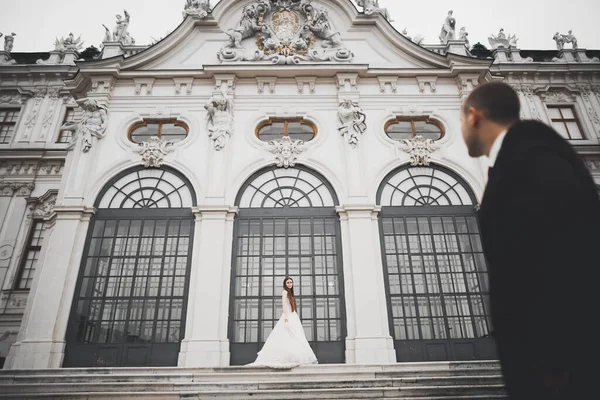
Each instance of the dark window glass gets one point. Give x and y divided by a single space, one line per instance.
31 256
8 121
167 130
294 129
406 129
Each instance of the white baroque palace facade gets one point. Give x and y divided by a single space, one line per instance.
153 199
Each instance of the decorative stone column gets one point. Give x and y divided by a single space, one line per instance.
368 340
41 340
206 343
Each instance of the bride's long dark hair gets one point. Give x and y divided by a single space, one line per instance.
290 293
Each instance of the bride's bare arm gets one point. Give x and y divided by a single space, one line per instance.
286 305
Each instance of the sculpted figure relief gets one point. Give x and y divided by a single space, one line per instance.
120 33
92 124
448 29
464 35
286 32
417 39
501 40
198 8
372 6
9 41
562 39
351 121
219 119
68 44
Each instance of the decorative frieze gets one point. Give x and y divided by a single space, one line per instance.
21 189
386 82
430 81
181 83
286 151
143 83
270 82
154 151
419 149
43 207
302 82
32 169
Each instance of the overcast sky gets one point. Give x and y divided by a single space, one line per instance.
38 22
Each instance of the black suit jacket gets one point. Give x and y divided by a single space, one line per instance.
540 222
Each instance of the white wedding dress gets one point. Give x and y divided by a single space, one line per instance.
286 347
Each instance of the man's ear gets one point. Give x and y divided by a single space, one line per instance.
473 117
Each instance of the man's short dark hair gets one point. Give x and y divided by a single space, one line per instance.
497 101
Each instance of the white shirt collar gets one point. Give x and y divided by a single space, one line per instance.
496 148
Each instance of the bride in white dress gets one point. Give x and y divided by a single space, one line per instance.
286 346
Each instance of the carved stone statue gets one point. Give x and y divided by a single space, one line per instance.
448 29
9 40
562 39
501 40
219 119
197 8
247 26
351 121
372 6
417 39
92 123
121 27
107 35
68 44
463 35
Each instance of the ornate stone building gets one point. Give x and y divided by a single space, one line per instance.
153 198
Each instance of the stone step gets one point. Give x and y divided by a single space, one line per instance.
476 380
108 386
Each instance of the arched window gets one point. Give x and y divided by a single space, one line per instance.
435 271
168 130
407 128
131 296
287 225
295 129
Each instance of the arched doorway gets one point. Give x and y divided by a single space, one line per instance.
434 268
131 295
287 225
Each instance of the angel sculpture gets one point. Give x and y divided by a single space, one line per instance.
68 44
199 8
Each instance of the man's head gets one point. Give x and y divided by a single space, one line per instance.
489 110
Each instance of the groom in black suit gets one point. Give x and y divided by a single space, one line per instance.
540 222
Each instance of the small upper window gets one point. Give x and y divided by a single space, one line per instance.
72 114
408 128
8 121
168 130
296 129
565 121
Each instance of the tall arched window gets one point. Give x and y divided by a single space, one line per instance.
435 271
131 296
287 225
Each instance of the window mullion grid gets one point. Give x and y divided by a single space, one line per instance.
260 281
314 302
468 291
412 274
157 296
176 258
108 270
400 266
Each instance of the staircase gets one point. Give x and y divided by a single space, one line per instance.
455 380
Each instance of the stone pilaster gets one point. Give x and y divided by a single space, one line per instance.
368 340
41 340
206 343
